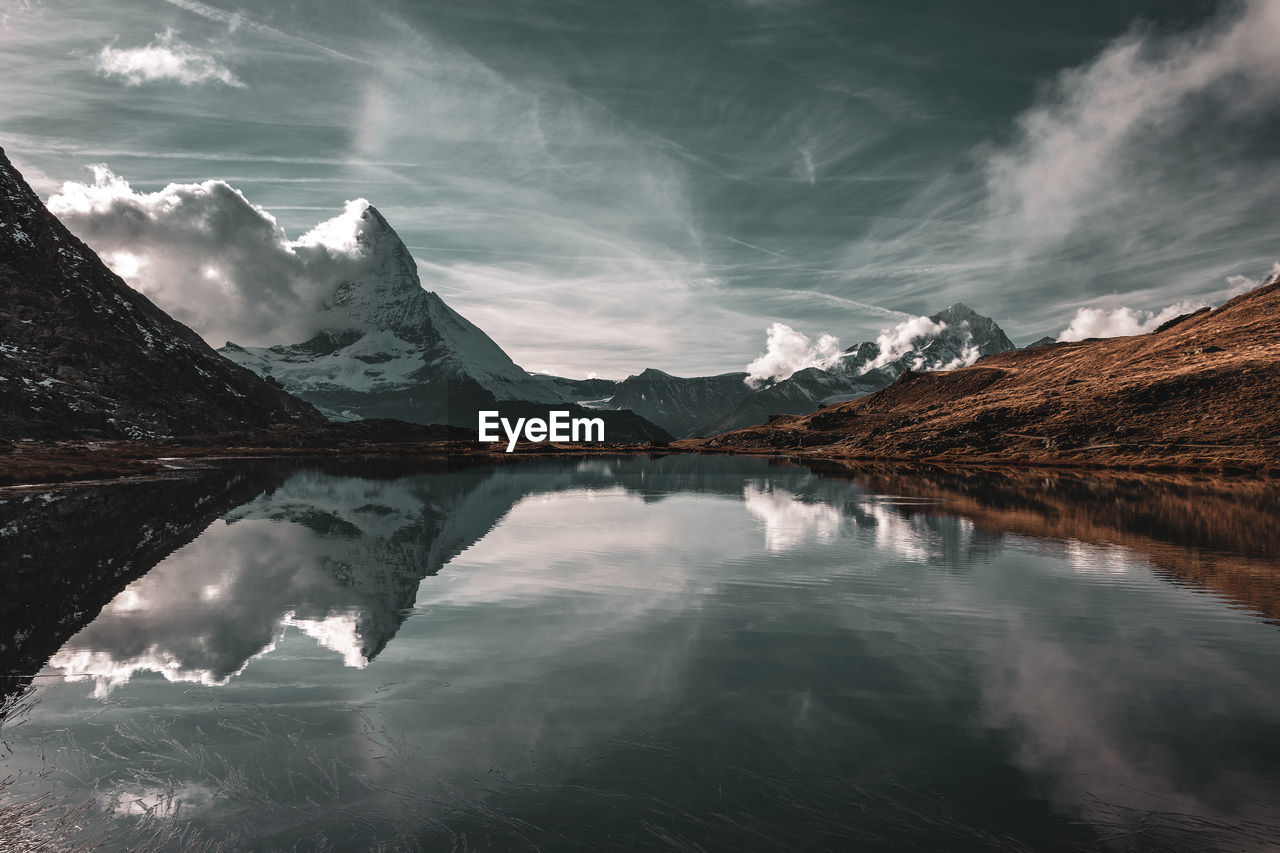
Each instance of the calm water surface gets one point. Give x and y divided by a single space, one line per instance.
686 653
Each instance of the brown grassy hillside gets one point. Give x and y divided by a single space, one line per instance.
1203 391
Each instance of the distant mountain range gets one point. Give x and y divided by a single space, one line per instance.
709 405
83 354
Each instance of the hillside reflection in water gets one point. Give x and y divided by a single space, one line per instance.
712 651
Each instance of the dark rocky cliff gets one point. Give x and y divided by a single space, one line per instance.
83 354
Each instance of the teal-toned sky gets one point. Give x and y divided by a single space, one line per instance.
606 186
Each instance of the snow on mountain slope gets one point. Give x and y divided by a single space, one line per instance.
390 349
954 337
386 334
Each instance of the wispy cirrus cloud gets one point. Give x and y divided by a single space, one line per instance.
166 58
1140 170
594 213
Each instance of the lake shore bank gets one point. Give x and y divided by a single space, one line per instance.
35 463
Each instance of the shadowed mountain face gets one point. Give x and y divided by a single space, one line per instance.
1199 391
683 406
83 354
709 405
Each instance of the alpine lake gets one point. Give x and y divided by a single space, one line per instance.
680 652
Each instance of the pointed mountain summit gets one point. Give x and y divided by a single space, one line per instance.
390 349
83 354
960 336
967 333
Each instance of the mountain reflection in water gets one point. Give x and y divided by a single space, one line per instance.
714 652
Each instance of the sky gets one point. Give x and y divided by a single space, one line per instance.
605 187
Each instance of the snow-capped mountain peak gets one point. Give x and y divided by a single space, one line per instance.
389 348
384 291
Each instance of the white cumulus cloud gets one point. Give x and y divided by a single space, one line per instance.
165 58
903 338
212 259
787 351
1104 323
